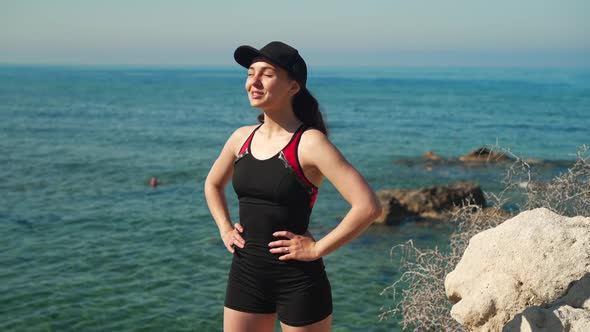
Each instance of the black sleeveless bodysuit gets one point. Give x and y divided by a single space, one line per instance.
274 195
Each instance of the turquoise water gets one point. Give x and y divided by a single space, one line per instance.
87 245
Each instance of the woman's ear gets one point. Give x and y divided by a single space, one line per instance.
294 89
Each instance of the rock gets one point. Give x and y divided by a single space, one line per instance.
484 154
537 319
429 155
572 310
435 202
528 261
579 294
392 211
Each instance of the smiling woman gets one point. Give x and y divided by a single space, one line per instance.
276 168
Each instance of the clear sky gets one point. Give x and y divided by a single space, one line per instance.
327 32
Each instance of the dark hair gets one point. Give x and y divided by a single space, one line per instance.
307 110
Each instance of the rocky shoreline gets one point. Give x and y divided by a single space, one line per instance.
525 272
479 157
436 202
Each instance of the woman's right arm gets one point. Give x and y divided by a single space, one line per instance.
219 175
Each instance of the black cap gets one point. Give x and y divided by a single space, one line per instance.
279 54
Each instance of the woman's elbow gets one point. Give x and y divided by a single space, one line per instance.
209 185
371 210
374 210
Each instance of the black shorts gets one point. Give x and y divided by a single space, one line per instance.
299 292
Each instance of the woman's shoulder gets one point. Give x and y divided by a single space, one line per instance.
244 131
315 143
315 148
312 137
239 136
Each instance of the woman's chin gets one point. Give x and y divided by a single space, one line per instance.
256 103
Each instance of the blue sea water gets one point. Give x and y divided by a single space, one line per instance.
87 245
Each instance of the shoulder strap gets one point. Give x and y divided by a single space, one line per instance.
246 144
292 157
290 150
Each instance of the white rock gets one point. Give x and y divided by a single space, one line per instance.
529 260
569 313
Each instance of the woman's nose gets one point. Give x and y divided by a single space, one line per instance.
257 82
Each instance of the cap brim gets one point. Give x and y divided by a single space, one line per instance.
245 54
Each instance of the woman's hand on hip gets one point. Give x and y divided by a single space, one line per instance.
233 237
298 247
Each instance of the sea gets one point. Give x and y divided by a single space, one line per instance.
86 244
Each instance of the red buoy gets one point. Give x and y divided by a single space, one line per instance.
154 182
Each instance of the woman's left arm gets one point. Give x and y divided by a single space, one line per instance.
318 151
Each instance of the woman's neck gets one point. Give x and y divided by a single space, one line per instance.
280 121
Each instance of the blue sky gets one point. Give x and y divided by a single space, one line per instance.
329 32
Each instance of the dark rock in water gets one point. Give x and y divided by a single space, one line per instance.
393 212
432 202
484 154
430 155
479 157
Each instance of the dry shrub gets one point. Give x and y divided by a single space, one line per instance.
422 302
567 194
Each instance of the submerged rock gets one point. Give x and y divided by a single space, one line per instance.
480 157
436 202
432 156
484 154
530 273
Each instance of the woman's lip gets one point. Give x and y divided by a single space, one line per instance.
256 95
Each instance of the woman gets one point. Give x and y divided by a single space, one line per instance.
276 168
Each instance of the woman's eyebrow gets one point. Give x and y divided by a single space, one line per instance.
262 68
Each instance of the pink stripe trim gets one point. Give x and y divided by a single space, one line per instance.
247 142
290 153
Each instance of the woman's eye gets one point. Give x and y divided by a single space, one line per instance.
268 75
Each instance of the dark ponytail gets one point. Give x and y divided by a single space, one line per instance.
307 110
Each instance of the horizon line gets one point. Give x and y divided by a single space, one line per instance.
320 66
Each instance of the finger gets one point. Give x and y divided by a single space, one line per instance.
279 243
287 257
239 227
238 237
230 249
238 243
279 250
286 234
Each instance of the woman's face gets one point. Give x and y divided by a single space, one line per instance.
269 86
